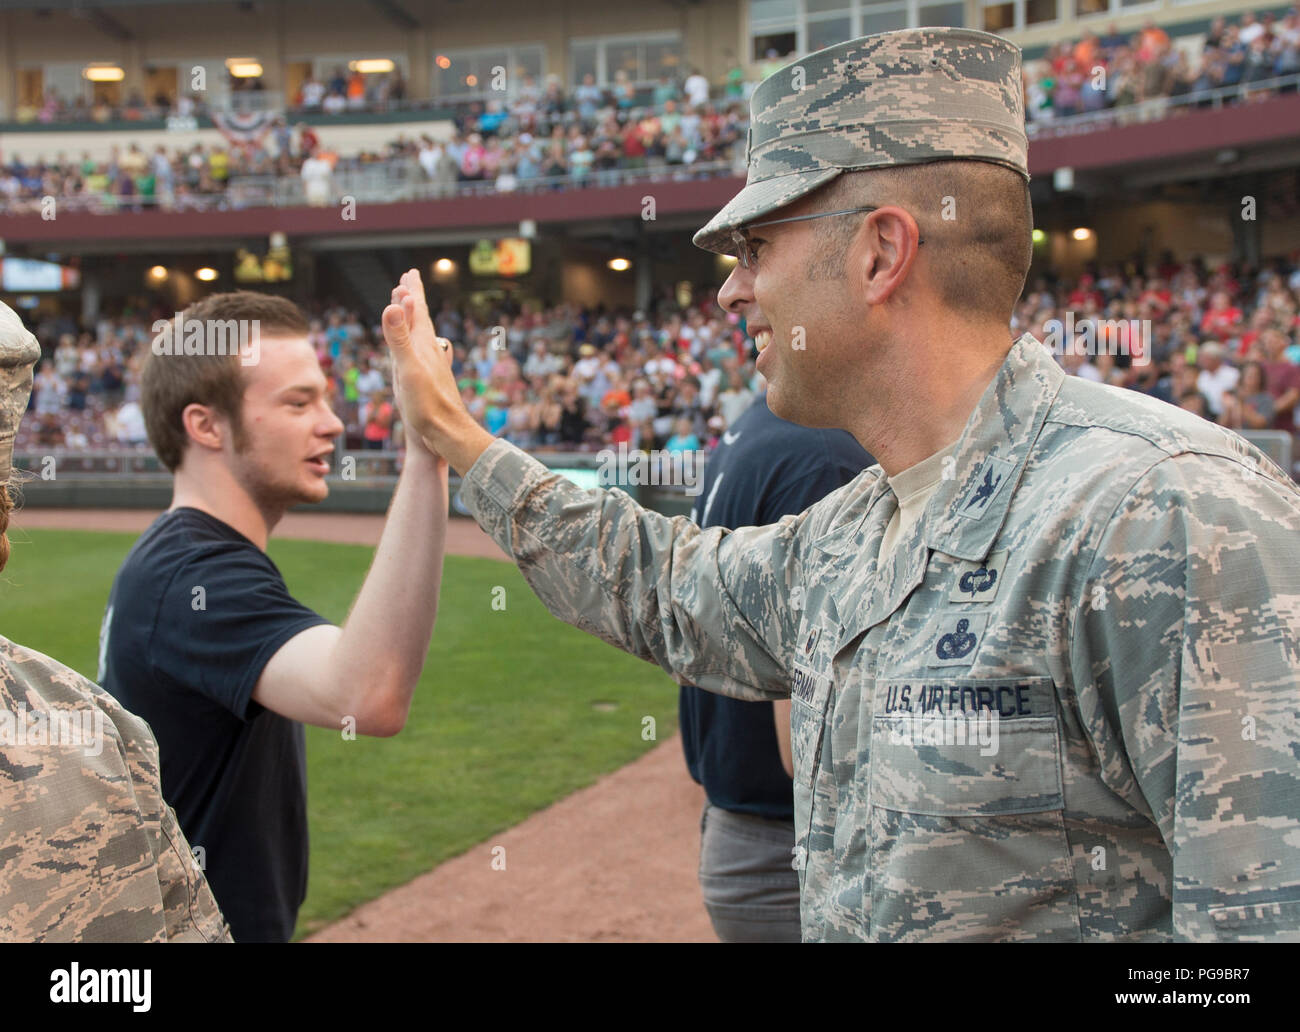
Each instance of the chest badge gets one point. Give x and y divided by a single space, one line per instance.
957 639
979 582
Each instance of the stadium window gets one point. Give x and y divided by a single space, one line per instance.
782 43
950 14
770 10
826 32
31 87
1011 15
664 59
1083 8
624 57
801 26
998 17
466 74
582 58
644 58
1039 11
882 17
66 80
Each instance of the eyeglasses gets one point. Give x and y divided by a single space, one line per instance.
745 253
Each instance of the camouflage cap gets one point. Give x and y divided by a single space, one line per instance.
895 98
18 354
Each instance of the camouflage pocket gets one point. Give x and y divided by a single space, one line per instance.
957 747
967 823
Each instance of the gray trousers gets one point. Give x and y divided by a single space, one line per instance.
750 887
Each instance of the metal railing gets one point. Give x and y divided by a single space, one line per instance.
1157 108
381 183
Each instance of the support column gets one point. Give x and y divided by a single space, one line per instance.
644 266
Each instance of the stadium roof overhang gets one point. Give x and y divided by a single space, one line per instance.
1199 144
684 205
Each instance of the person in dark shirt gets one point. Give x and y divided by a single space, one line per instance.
201 637
762 469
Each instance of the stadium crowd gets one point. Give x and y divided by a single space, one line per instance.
1118 69
572 140
1224 343
543 132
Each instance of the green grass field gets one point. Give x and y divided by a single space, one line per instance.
514 711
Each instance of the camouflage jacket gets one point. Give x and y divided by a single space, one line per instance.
89 851
1065 708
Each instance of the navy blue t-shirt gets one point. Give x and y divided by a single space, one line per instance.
196 612
763 468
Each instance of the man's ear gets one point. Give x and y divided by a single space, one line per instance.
892 239
205 426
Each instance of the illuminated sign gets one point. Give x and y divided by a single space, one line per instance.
29 274
276 267
509 257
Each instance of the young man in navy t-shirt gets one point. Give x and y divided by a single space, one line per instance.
201 637
763 468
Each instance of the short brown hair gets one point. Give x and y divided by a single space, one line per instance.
170 382
975 216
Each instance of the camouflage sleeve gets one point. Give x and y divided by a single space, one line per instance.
704 605
89 851
1187 673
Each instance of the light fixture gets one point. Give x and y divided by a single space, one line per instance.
371 65
1039 236
442 61
158 272
1082 233
103 73
471 80
207 274
444 266
245 69
619 264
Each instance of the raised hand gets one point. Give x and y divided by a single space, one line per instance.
422 379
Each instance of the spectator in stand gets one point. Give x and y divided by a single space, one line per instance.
1251 406
696 89
1223 318
50 391
377 418
370 381
624 93
1193 401
684 438
316 176
311 93
1282 378
733 401
665 91
129 425
1216 377
588 98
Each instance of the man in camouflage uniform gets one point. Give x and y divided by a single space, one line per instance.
89 850
1043 657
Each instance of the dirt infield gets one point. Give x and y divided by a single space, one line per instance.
614 862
